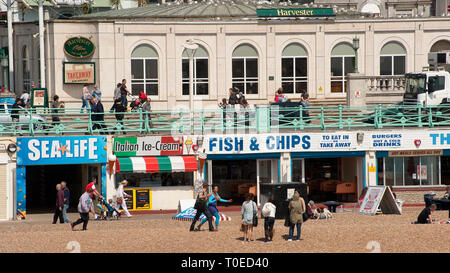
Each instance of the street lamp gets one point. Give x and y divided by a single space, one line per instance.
190 47
355 47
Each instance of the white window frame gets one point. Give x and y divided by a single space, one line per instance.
195 79
246 79
342 78
294 79
392 63
145 81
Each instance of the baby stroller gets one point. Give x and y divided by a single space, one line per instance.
107 211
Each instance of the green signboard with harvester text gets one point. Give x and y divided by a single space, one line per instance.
79 47
305 12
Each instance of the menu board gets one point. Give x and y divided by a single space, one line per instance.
143 198
130 200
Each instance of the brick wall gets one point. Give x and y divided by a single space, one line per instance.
414 196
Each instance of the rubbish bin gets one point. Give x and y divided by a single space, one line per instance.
279 192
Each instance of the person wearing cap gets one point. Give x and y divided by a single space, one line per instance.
202 199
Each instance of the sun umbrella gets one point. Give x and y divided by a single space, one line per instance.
189 214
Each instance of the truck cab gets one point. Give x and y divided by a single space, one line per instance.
431 87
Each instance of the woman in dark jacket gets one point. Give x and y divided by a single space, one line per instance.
119 109
59 205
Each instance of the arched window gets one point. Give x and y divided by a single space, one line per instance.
144 70
392 59
294 69
245 69
201 69
26 69
342 63
441 45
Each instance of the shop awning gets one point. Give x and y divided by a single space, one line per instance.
156 164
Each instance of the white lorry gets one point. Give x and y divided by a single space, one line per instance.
431 87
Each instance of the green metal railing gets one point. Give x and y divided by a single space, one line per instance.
263 118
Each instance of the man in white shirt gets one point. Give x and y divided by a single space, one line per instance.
25 97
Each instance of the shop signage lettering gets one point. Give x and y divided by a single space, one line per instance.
335 141
61 150
78 73
270 143
415 153
386 140
443 139
301 12
79 47
148 146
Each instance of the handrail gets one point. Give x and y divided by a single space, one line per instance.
38 121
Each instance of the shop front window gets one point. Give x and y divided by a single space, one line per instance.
201 70
144 70
409 171
265 171
157 179
298 170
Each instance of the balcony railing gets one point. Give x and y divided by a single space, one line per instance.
259 119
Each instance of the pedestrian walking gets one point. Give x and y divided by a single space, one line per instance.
66 201
268 211
117 91
121 195
212 207
25 98
147 108
305 105
85 97
56 108
96 93
98 116
119 109
59 205
124 92
15 116
200 206
85 205
296 209
249 211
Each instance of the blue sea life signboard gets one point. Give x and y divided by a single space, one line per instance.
61 150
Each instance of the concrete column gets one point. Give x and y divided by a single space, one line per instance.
106 62
356 89
370 169
221 46
170 68
420 57
318 90
368 51
271 62
285 168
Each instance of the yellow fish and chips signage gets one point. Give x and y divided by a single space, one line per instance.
282 12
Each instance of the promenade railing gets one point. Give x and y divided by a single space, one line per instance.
258 119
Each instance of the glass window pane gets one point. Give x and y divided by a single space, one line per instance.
252 88
238 68
301 67
185 68
297 172
252 68
137 69
336 86
386 65
135 88
202 68
151 69
239 86
349 65
399 65
411 167
429 170
202 89
288 87
300 87
287 67
151 89
265 171
398 175
336 66
380 174
186 89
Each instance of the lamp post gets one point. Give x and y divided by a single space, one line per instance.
190 47
355 47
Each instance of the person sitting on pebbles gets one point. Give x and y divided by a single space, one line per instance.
425 216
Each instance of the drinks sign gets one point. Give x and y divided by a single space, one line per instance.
79 47
282 12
